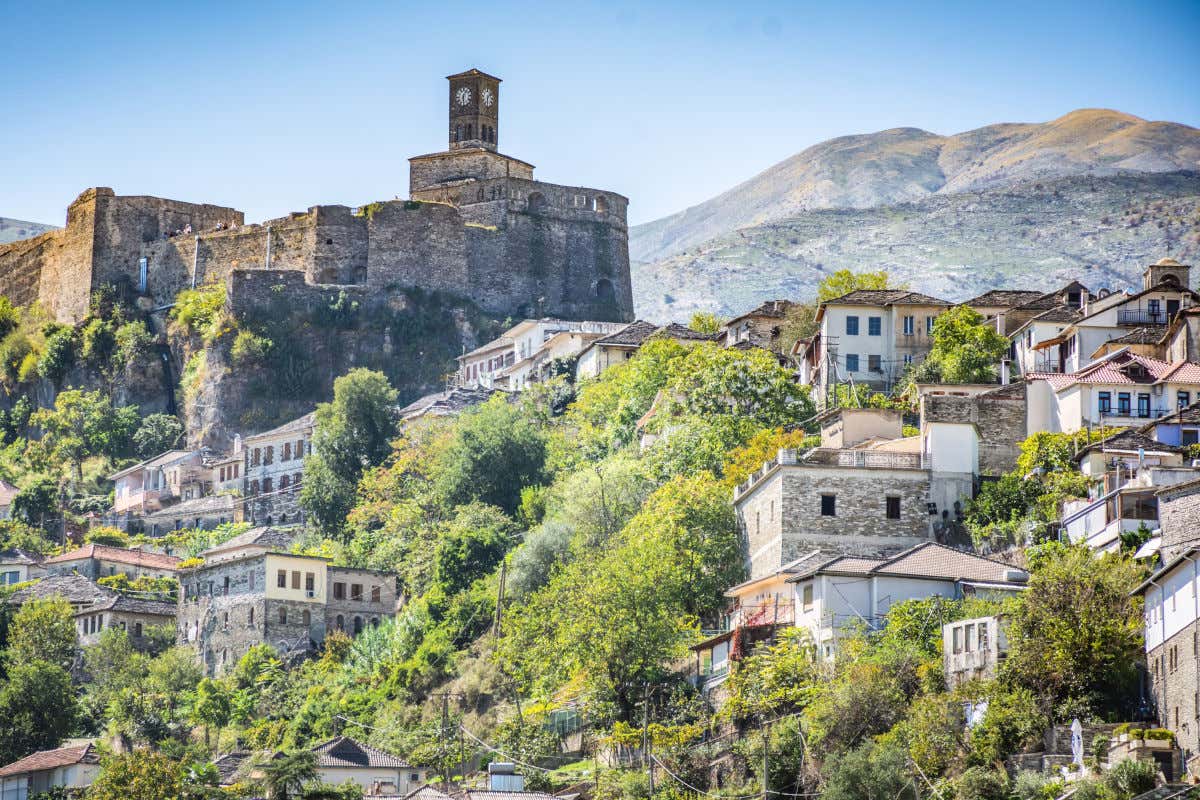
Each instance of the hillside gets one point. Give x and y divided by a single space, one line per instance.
1032 234
13 229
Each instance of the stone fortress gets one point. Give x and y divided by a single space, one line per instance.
477 225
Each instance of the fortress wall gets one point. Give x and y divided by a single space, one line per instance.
22 263
55 268
424 173
340 246
417 244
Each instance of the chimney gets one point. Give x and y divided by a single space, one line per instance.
503 777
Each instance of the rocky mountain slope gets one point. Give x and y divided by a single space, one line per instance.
13 229
1018 201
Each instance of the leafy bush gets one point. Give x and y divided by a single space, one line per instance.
59 354
249 348
982 783
1029 785
199 311
1132 777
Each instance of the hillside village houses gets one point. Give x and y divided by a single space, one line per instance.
523 353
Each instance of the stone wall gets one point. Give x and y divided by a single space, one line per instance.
1176 692
1179 518
217 625
348 608
998 417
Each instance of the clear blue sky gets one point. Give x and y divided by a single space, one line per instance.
273 107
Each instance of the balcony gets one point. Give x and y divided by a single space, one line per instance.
1142 317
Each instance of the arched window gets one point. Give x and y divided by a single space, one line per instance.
536 202
470 131
254 487
267 486
340 622
268 519
604 291
306 617
283 519
357 625
458 133
283 616
601 204
251 615
283 482
286 455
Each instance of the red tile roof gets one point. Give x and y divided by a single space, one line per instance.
120 555
1108 370
49 759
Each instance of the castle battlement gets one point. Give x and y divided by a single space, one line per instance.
477 226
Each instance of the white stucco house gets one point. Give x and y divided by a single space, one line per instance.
379 774
73 767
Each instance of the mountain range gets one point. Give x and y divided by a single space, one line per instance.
13 229
1095 193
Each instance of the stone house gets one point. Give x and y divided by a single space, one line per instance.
972 649
273 466
96 608
158 482
869 502
96 561
18 566
72 768
837 594
1179 517
252 590
449 403
203 513
760 326
1119 389
868 337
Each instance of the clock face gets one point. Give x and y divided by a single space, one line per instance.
488 97
463 95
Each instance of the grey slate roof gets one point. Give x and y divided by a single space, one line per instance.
1189 414
229 764
1148 335
1009 298
676 331
632 335
343 752
1129 440
137 605
772 308
208 504
15 555
265 536
927 560
1059 314
448 403
74 588
298 424
886 297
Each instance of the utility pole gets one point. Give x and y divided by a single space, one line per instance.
445 730
500 600
646 737
766 775
462 757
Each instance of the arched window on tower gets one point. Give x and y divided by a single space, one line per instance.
601 204
458 133
470 131
536 202
604 291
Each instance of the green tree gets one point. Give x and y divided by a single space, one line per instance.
285 775
471 545
37 501
843 281
491 434
966 349
158 433
142 775
351 434
1075 635
42 630
211 707
870 772
705 322
37 704
58 356
83 424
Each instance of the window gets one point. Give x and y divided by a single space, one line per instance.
340 622
269 455
295 579
306 617
1105 401
356 591
310 583
296 479
1143 405
226 584
339 591
828 505
283 616
250 617
893 507
281 579
137 629
374 594
1183 399
874 363
1073 299
283 482
1123 404
969 638
299 451
254 487
255 457
910 325
286 455
929 325
852 362
357 625
983 636
266 485
1191 436
251 578
874 326
907 359
852 326
957 639
1154 307
808 597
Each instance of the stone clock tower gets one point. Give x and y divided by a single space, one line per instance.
474 110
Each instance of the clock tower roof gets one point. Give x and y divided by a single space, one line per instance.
472 73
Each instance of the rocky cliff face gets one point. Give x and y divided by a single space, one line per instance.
1013 202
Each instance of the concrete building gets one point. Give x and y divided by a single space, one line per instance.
202 513
96 561
972 649
869 337
870 502
841 592
72 768
273 466
252 590
18 566
619 347
518 356
158 482
1120 389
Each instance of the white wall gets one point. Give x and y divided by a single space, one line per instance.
1171 606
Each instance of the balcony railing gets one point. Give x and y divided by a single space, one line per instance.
1142 317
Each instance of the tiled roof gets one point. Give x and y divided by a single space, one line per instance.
1149 335
1129 440
927 560
136 605
265 536
344 752
632 335
49 759
441 404
197 505
775 309
15 555
426 792
1060 314
676 331
1189 414
140 558
1110 369
151 463
75 589
296 425
229 764
1007 298
885 297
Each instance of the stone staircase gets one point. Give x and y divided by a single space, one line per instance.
1170 791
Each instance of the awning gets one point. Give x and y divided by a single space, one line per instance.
1150 548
